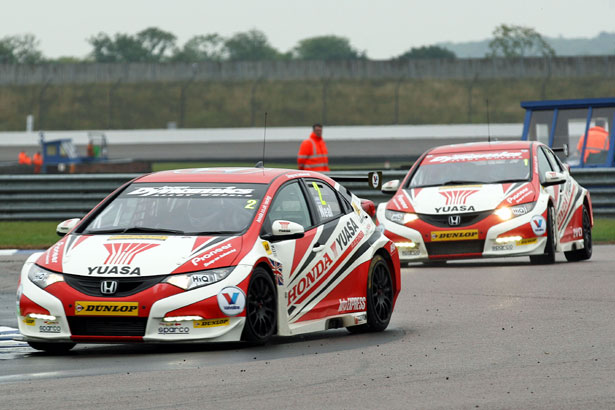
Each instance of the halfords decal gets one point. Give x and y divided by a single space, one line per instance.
188 191
216 254
231 301
114 270
124 253
351 304
454 235
484 156
454 209
348 238
211 323
83 308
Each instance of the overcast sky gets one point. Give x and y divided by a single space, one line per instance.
383 28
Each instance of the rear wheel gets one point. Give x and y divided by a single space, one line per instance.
379 297
55 348
586 252
548 256
261 309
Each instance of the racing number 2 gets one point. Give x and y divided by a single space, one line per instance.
251 204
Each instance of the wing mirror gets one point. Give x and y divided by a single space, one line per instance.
281 230
65 227
553 178
390 187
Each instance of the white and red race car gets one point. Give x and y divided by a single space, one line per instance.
211 255
488 200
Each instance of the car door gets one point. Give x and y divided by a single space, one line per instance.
566 196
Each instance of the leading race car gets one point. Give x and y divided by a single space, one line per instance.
488 200
211 255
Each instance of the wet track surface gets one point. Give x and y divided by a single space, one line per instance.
474 334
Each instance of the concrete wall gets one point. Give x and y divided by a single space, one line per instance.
85 73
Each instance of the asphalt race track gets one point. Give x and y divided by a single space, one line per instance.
477 334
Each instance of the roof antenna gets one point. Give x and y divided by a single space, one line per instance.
261 164
488 123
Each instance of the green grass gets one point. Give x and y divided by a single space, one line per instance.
40 235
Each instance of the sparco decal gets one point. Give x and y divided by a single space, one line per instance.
49 329
114 270
454 208
442 159
351 304
347 239
163 330
188 191
218 253
124 253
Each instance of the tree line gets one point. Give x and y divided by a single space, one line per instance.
154 45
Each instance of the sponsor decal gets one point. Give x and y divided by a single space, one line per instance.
277 271
138 237
577 232
188 191
454 209
519 196
267 247
284 226
526 241
167 330
351 304
263 210
54 253
539 225
83 308
124 253
462 235
498 248
407 253
298 175
457 197
114 270
49 329
482 156
231 301
392 248
402 202
225 321
356 208
216 254
348 238
29 321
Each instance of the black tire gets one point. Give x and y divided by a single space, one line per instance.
548 256
53 348
379 297
586 252
261 308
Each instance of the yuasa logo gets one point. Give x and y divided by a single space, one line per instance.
457 197
231 301
539 225
124 253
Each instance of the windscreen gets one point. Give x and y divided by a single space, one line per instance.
191 208
484 167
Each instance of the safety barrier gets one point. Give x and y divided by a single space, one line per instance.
59 197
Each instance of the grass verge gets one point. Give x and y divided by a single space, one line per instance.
40 235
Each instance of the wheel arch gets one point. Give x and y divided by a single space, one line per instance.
389 260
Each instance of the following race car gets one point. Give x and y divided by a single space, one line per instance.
488 200
211 255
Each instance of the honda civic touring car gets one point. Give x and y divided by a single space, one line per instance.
488 200
211 255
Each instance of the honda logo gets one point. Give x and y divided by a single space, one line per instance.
454 220
108 287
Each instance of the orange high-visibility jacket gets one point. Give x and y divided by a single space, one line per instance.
24 159
313 155
597 141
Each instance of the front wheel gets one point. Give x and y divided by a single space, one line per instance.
379 297
586 252
548 256
53 348
261 307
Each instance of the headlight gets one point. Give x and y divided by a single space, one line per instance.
507 213
195 280
401 218
42 277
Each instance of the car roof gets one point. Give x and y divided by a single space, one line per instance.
482 146
227 175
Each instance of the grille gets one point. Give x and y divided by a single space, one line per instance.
466 219
125 286
454 247
107 326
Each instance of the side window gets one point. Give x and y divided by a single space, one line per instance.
324 199
553 160
543 163
289 204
